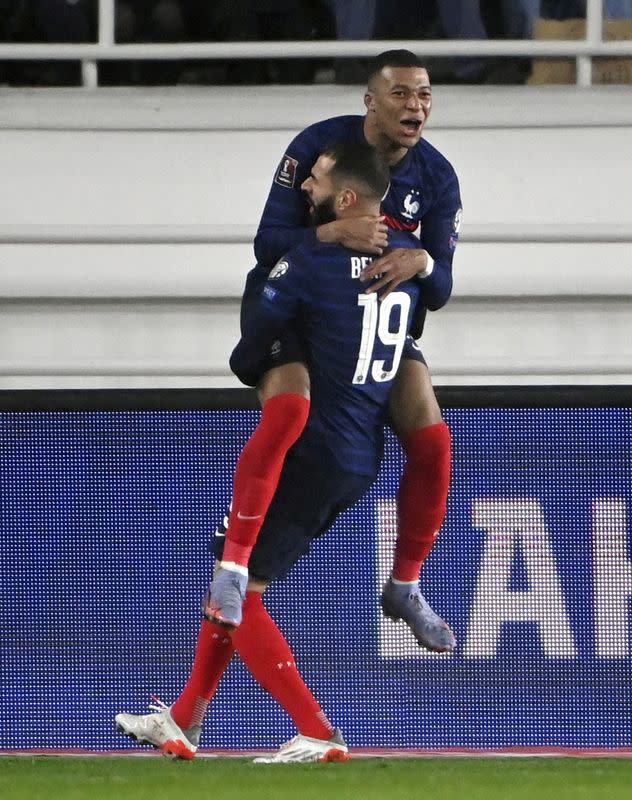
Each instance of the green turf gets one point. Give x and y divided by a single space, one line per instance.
113 778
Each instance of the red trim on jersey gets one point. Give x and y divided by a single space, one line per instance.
399 225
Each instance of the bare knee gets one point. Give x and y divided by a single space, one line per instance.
286 379
257 585
412 403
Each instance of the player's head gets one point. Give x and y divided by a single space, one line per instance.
348 178
398 101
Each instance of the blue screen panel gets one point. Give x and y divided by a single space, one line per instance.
105 518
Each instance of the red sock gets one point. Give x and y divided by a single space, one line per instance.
422 497
258 470
266 653
213 652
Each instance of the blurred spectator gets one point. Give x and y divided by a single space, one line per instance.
355 20
375 19
509 19
145 21
13 23
46 21
415 19
618 9
253 21
485 19
65 20
576 9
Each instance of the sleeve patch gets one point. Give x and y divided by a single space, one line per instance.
286 173
278 270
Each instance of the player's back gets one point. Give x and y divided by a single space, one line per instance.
354 344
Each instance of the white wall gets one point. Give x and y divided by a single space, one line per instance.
532 161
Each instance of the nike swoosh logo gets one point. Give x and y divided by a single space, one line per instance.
245 516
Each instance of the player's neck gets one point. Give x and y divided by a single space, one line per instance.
359 209
392 152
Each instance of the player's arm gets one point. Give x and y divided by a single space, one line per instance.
278 304
285 221
431 262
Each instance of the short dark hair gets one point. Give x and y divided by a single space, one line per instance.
393 58
359 162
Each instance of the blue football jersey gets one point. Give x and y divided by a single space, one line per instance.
354 343
423 199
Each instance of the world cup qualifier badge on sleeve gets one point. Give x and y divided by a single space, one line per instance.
286 173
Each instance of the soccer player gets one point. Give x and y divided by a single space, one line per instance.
353 344
423 198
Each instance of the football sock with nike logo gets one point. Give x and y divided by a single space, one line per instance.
258 470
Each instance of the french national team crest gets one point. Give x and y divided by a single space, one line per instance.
286 173
411 204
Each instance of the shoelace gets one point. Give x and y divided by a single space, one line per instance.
287 744
158 704
432 616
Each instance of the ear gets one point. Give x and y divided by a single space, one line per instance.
346 198
368 101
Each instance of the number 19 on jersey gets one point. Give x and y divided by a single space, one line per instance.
376 324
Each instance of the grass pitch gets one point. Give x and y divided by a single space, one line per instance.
155 778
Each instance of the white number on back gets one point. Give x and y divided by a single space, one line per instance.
376 319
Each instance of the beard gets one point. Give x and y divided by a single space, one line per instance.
323 212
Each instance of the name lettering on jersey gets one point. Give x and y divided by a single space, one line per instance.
411 204
358 263
278 270
286 173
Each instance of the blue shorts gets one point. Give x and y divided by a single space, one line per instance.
290 346
309 498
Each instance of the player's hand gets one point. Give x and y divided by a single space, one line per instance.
368 234
400 265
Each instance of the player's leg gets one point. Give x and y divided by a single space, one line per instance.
267 654
284 396
421 500
417 421
309 498
282 381
176 730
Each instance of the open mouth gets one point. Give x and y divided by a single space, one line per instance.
411 126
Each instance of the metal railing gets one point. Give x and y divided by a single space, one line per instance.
582 50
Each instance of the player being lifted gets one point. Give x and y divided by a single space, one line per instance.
353 343
423 197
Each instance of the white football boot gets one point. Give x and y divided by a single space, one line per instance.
303 749
160 731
